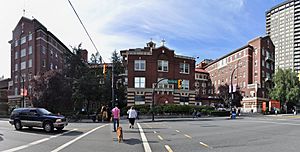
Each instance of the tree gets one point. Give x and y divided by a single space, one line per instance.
96 58
287 87
224 93
75 71
226 96
51 91
119 86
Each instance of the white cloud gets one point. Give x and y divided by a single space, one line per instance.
123 24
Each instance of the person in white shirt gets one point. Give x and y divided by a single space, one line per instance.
132 114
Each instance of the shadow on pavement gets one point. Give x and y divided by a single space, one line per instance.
54 132
1 137
132 141
73 133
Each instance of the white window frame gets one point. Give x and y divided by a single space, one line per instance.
30 37
164 64
23 52
16 43
138 65
23 65
16 55
184 68
43 49
16 67
29 50
23 40
23 77
139 82
30 63
185 84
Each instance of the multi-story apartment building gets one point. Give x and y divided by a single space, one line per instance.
203 87
149 65
249 69
34 49
283 27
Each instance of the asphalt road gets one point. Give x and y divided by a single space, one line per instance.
249 134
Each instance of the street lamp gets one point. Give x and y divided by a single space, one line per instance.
152 106
231 85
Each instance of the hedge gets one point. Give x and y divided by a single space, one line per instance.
171 109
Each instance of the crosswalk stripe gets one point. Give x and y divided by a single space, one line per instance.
160 137
168 148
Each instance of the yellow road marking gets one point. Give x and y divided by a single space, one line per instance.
203 144
168 148
187 136
160 137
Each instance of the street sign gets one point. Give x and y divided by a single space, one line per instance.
172 81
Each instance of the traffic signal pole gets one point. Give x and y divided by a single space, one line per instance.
112 86
152 106
179 84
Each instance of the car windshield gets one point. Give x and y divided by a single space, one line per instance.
44 111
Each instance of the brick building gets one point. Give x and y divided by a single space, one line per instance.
146 66
3 96
203 87
251 68
34 49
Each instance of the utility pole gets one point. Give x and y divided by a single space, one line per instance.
112 86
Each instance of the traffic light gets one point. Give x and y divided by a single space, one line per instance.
104 68
179 83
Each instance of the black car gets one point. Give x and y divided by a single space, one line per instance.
37 117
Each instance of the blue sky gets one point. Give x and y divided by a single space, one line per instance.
204 28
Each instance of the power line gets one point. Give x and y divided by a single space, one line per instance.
85 30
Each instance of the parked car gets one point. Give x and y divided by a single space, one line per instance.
37 117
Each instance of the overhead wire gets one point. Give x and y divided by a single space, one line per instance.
102 60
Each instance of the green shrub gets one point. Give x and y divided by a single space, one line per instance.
173 109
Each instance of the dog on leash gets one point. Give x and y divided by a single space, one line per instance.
120 134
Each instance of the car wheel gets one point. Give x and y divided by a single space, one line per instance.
60 128
18 125
48 126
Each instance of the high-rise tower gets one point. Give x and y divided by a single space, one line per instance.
283 27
